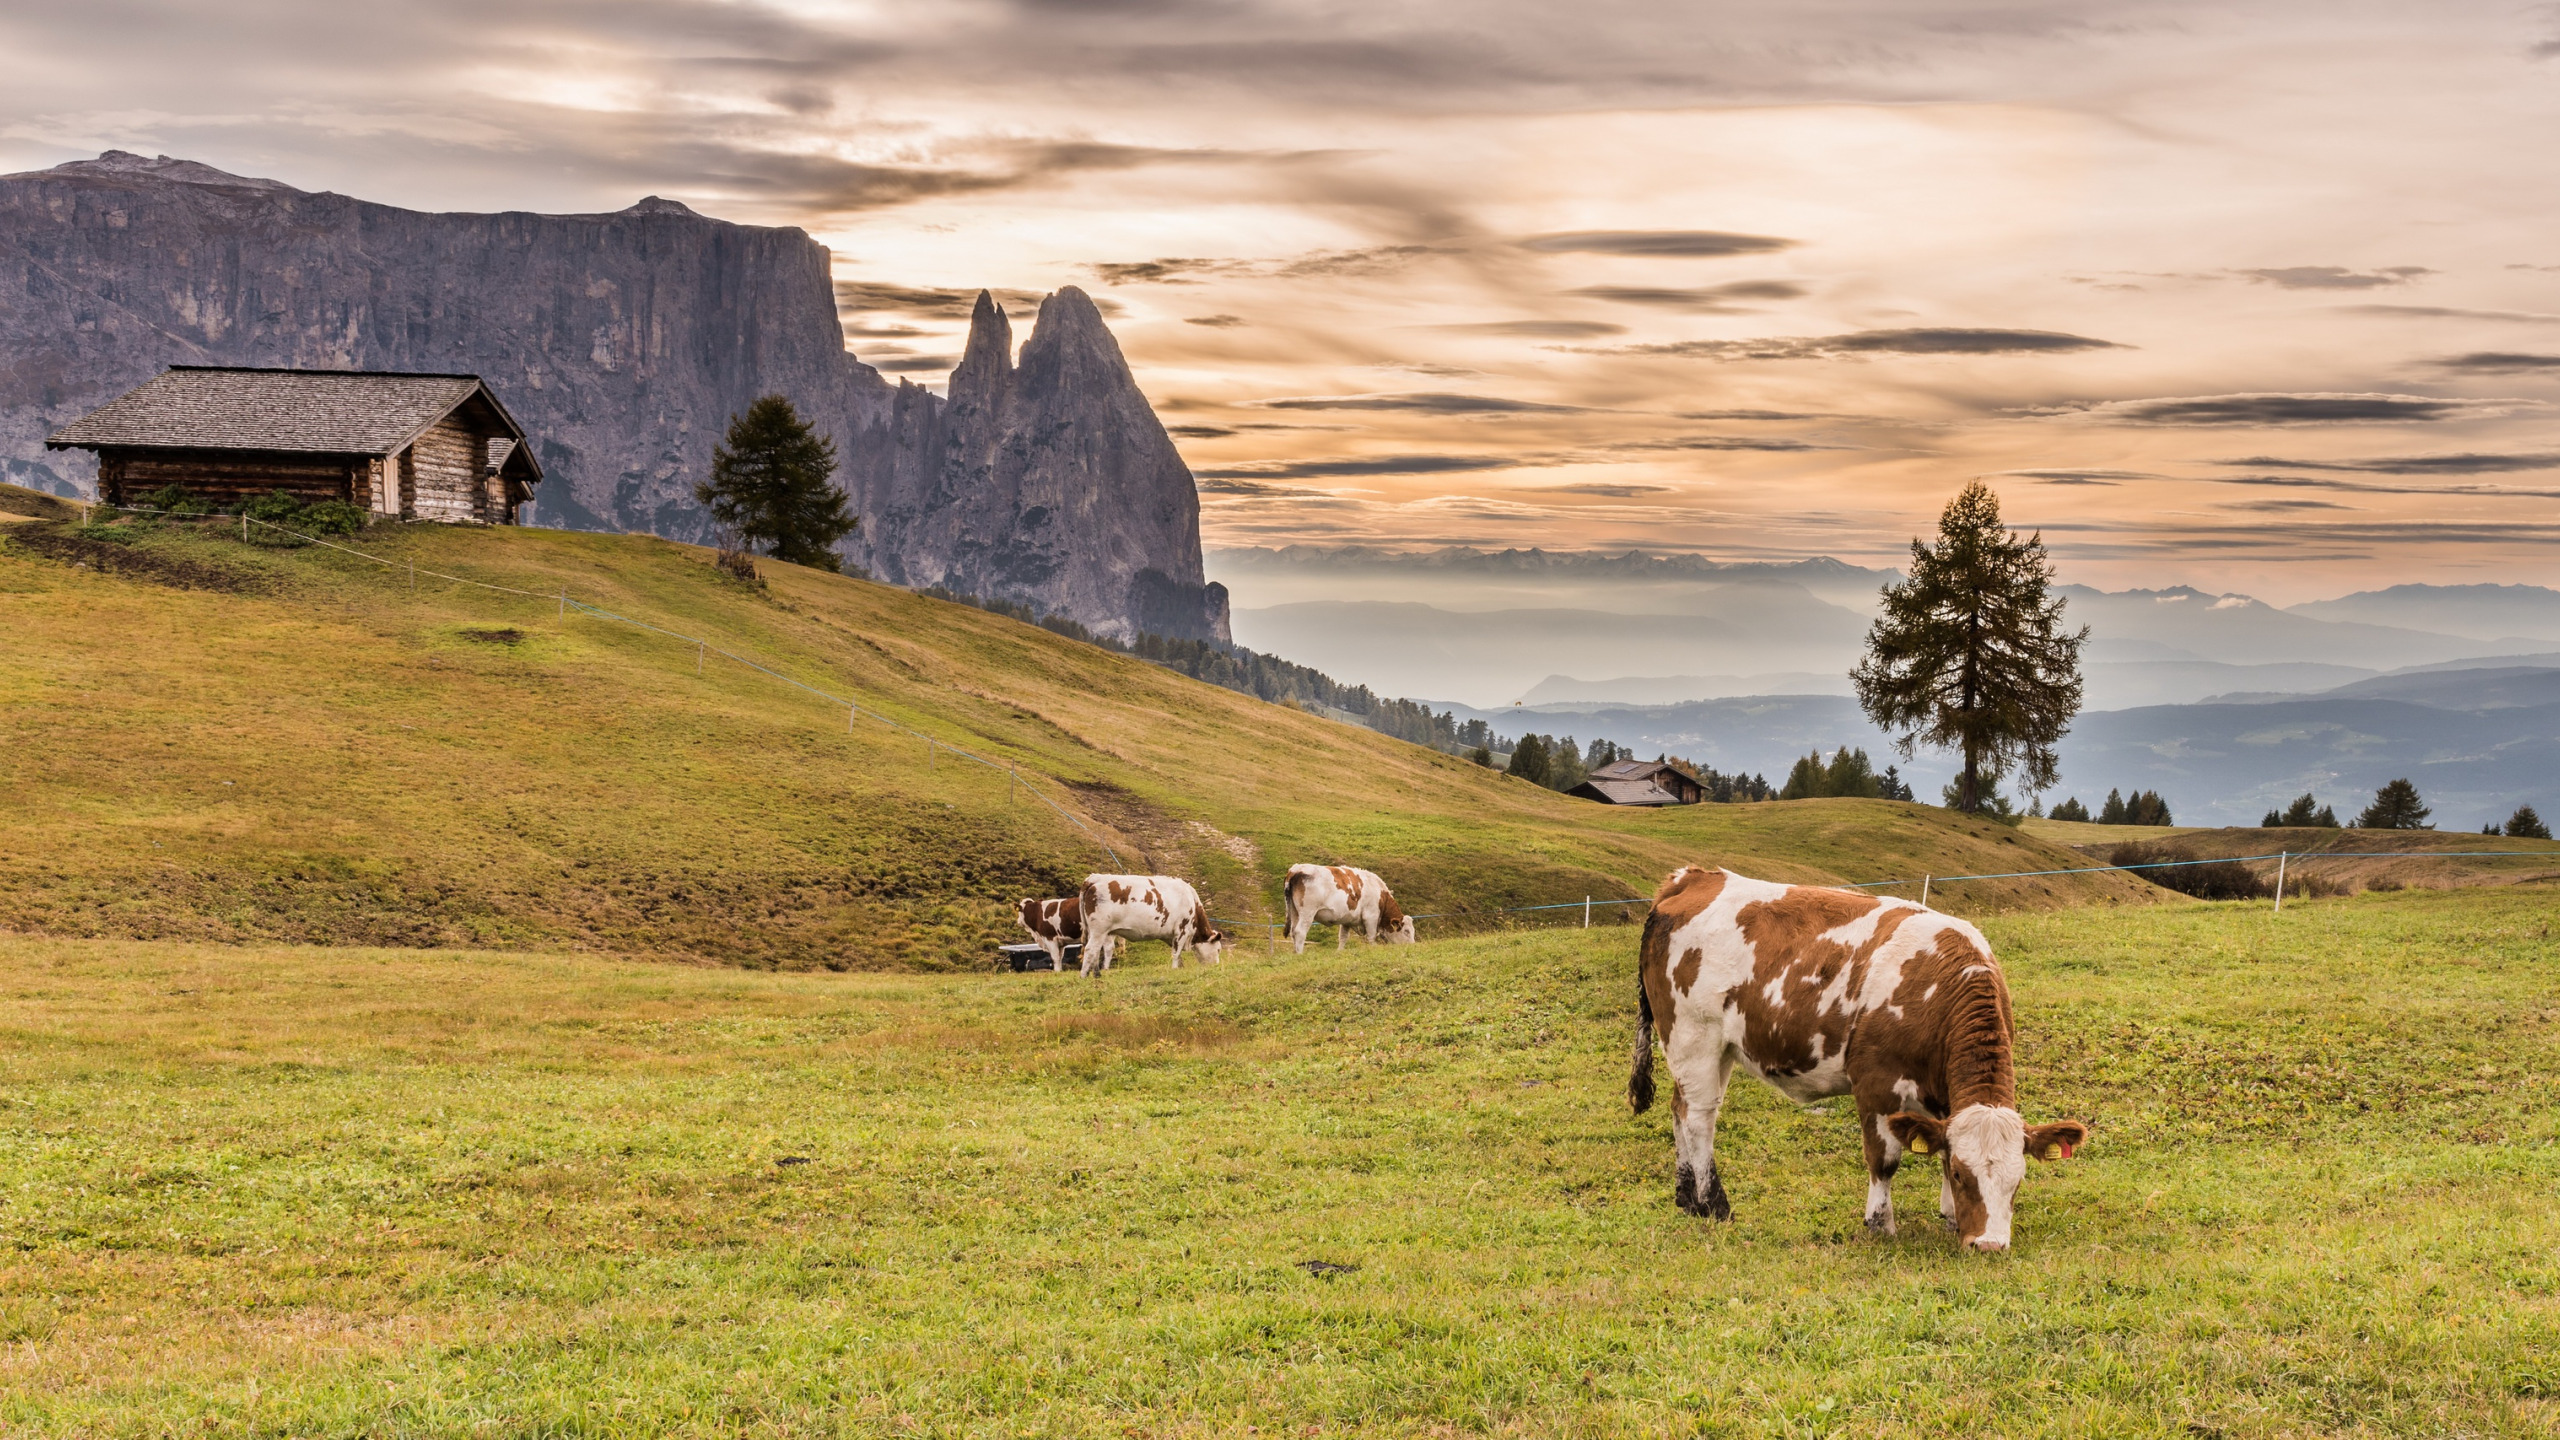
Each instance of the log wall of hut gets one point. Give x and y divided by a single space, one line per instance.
228 477
447 462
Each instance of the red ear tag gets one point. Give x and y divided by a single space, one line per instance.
2066 1149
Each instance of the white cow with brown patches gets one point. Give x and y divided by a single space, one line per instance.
1054 925
1144 907
1342 896
1826 992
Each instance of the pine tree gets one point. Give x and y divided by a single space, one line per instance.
2112 813
2395 807
2071 809
1529 759
2147 808
1970 652
1564 765
1482 756
1893 786
771 485
2525 825
1804 782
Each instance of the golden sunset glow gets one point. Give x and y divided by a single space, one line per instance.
2259 298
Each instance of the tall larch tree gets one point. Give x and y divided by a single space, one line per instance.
1970 652
772 484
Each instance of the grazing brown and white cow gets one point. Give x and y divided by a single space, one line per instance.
1144 907
1055 924
1341 896
1826 992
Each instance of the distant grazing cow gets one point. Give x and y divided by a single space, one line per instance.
1829 992
1144 907
1339 895
1055 924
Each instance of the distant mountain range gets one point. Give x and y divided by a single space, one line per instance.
1550 627
2223 703
2478 740
2482 612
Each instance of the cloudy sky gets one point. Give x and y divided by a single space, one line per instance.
2261 297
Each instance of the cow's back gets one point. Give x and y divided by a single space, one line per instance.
1788 974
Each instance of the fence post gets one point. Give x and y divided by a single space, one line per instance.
698 647
1924 892
2280 858
1586 912
244 525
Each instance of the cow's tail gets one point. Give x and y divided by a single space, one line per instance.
1640 1071
1293 895
1640 1075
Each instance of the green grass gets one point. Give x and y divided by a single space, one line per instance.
219 742
302 1192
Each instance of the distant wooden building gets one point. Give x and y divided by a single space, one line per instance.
421 447
1640 782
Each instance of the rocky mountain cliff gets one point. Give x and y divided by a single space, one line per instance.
623 342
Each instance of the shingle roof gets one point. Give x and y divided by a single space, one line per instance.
330 412
1626 792
1634 769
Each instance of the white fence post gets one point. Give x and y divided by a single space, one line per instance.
1586 912
2280 858
1924 892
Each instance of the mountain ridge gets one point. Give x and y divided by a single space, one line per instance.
624 340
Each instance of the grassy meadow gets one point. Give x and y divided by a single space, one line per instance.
269 1190
214 741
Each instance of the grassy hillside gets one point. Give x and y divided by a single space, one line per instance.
216 741
275 1191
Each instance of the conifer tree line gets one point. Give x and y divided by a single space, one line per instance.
1848 773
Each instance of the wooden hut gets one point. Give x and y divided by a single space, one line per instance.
421 447
1640 782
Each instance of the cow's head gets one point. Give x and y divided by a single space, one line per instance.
1213 941
1986 1148
1394 926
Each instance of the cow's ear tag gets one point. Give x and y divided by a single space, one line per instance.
2067 1148
1919 1146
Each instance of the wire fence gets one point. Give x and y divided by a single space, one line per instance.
855 711
2283 858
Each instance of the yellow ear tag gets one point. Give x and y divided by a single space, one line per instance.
1919 1146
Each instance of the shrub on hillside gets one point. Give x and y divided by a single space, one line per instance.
172 501
2526 825
2210 880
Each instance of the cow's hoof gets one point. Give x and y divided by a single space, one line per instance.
1881 1224
1714 1205
1684 1191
